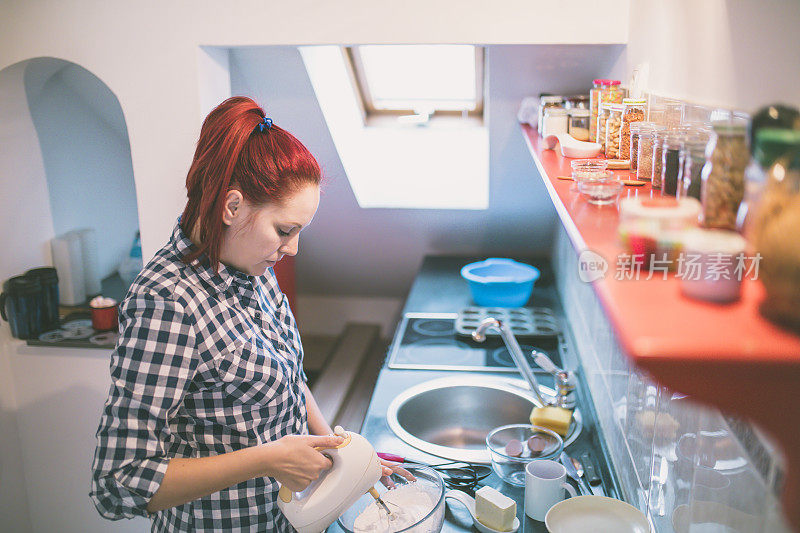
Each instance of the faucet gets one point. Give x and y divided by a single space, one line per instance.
565 381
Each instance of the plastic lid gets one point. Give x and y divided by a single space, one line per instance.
629 101
772 143
661 207
551 99
709 241
730 127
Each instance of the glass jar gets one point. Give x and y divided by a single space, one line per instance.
613 124
693 156
594 106
603 111
635 110
547 102
670 163
774 230
555 121
723 174
611 93
673 113
644 154
579 124
770 144
658 146
636 129
577 101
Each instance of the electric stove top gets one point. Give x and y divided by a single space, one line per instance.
428 341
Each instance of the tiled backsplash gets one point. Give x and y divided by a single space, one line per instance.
690 467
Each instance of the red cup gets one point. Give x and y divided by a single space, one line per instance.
104 318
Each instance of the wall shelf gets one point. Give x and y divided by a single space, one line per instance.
727 356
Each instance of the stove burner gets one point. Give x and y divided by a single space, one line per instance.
433 326
442 350
501 357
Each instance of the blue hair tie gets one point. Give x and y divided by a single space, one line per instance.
265 124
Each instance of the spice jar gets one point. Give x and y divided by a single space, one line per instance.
613 124
658 146
723 174
603 111
636 129
634 110
774 227
673 114
579 124
644 154
693 157
546 102
555 121
670 163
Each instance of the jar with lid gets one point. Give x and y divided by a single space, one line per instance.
673 113
693 157
670 163
636 129
579 124
653 228
594 106
774 228
635 110
723 173
770 144
603 111
577 101
644 154
555 121
611 93
546 102
613 124
658 145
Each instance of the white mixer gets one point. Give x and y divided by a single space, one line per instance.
356 468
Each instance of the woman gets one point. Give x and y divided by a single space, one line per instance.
208 408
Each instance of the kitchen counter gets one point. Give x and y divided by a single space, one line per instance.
439 288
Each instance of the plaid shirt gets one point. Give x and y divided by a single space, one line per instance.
205 364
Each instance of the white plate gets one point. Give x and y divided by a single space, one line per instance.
597 514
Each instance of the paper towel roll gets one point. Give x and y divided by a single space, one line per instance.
68 261
91 274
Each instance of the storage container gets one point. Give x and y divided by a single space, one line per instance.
635 110
722 190
555 121
546 102
693 159
579 124
671 163
613 124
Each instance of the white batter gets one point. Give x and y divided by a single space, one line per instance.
408 503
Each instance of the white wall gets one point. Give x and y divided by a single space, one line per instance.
86 155
742 54
352 251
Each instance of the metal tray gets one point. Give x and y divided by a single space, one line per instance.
524 321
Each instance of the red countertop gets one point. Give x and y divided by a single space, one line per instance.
725 355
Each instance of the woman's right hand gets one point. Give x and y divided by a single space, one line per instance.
295 462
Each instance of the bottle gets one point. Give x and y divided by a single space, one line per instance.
132 265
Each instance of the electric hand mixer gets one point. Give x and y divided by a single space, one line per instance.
356 468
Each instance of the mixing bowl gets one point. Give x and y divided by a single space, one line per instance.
428 480
512 469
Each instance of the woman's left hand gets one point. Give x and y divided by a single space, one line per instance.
390 468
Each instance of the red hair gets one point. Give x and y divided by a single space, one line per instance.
232 153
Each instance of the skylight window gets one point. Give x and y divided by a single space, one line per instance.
421 80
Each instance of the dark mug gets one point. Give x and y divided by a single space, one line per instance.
48 301
20 306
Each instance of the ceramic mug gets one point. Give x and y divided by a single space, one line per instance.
545 483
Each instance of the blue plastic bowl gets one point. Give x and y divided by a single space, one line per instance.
499 282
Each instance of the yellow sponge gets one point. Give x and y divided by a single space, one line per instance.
555 418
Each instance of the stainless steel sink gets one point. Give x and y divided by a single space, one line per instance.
450 417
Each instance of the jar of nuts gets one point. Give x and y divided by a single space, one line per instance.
635 110
613 124
722 187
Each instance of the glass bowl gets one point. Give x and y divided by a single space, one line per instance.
428 480
510 468
600 190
